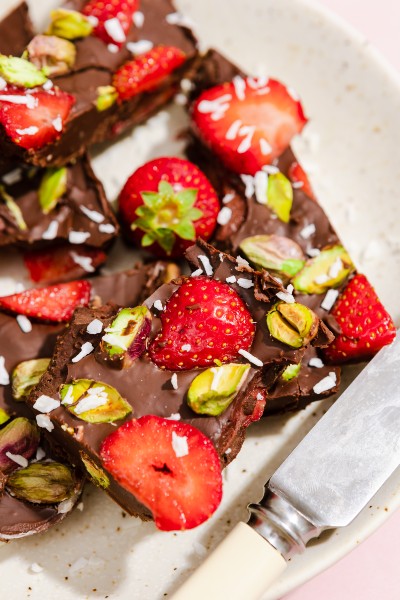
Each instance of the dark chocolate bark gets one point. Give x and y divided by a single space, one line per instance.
94 67
149 389
16 31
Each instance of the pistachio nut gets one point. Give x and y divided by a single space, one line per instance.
20 72
293 324
42 483
51 54
275 253
52 187
13 208
280 196
327 270
94 401
211 392
4 416
98 476
291 372
127 336
26 375
21 437
69 24
106 96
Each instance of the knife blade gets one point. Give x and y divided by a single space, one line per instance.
324 483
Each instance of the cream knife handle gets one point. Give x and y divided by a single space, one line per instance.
240 568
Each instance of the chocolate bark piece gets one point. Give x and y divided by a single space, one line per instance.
94 67
150 390
81 215
16 30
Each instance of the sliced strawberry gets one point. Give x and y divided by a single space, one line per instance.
171 467
147 71
166 204
299 176
54 303
114 18
366 325
204 321
248 122
34 118
62 263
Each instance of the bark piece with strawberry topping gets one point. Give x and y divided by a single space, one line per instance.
113 19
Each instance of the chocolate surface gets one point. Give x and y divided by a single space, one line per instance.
148 388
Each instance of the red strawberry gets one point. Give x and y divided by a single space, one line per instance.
60 263
167 203
248 122
298 175
39 120
114 18
171 467
204 321
147 71
366 326
54 303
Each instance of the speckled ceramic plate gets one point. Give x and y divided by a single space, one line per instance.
351 151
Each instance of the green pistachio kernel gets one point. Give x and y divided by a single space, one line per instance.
51 54
52 187
19 436
280 196
13 208
42 483
20 72
274 253
26 375
106 96
293 324
211 392
98 476
69 24
327 270
4 416
94 401
127 336
291 372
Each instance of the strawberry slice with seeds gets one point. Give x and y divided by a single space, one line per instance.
62 263
166 204
170 467
204 321
365 324
112 19
32 119
147 71
248 122
54 303
297 175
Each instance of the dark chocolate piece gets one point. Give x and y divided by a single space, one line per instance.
16 31
149 389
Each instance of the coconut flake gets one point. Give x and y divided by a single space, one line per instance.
32 130
46 404
261 187
24 323
321 279
228 450
224 216
158 305
217 374
290 289
86 349
206 264
228 198
94 327
186 85
265 147
113 48
308 231
57 123
245 283
80 506
248 181
83 261
18 459
4 376
3 83
330 299
114 29
65 506
36 568
106 228
48 85
44 422
78 237
335 269
93 215
286 297
251 358
178 18
114 340
217 108
197 273
51 232
138 19
233 130
327 383
248 132
316 362
40 453
296 185
139 47
231 279
313 252
242 262
12 177
69 396
240 87
180 445
270 169
174 381
174 417
90 402
29 101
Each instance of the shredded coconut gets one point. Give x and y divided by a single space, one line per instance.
65 506
224 216
242 262
240 87
286 297
217 108
24 323
51 232
3 83
114 340
113 48
327 383
86 349
18 459
69 396
180 445
251 358
4 376
48 85
297 184
140 47
308 231
265 147
78 237
12 177
217 374
313 252
177 18
57 123
335 268
206 264
180 99
40 453
90 402
248 181
330 299
138 19
28 100
261 187
174 417
32 130
186 85
270 169
228 450
106 228
95 326
174 381
158 305
80 506
315 362
228 198
46 404
197 273
83 261
245 283
230 279
186 348
93 215
44 421
321 279
114 29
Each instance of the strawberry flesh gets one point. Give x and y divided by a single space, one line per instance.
121 10
55 303
248 122
298 175
365 324
38 120
59 263
147 71
170 467
204 321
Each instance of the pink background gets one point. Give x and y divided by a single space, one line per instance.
371 572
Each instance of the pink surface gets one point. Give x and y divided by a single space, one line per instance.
371 571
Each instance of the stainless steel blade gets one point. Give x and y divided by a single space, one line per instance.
332 474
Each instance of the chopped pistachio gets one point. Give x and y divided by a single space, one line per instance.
13 208
106 96
274 253
293 324
51 54
52 187
291 372
20 72
69 24
94 401
98 476
4 416
26 375
42 483
127 336
323 272
280 196
19 436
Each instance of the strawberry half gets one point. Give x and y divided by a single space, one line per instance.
166 204
113 18
299 176
170 467
366 325
146 72
32 119
54 303
204 321
62 263
248 122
